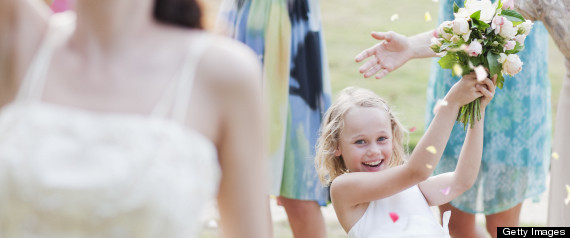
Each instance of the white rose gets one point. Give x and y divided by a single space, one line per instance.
435 41
460 26
485 6
441 30
526 27
512 64
507 30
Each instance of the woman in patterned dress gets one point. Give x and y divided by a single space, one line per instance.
517 134
287 36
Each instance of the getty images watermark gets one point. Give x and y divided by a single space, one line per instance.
533 232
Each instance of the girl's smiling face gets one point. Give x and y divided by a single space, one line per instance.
366 140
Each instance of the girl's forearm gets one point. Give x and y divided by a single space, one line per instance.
470 157
430 147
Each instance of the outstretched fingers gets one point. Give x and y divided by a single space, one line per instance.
365 54
368 65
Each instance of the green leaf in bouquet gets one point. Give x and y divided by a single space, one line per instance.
499 5
455 7
481 25
448 60
476 15
494 66
513 16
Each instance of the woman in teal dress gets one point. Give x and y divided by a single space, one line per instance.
517 142
287 36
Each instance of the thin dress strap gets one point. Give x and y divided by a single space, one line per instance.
60 26
177 96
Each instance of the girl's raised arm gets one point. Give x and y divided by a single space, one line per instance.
354 188
445 187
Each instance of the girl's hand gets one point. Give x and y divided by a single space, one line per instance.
464 91
387 56
487 88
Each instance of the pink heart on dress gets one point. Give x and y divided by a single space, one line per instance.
445 191
394 216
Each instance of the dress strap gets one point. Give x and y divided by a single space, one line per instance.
178 93
60 26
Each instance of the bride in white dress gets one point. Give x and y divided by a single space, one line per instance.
118 122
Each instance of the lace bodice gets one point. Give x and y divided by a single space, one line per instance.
69 172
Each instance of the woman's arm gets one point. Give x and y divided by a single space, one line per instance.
393 52
445 187
243 199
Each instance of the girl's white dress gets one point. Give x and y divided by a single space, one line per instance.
70 172
414 218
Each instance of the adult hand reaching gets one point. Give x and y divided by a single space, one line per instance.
394 50
387 55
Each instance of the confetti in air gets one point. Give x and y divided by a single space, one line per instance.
567 199
457 70
394 17
438 104
431 149
213 223
445 191
394 216
413 129
555 155
427 16
429 166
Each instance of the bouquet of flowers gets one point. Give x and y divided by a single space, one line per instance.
485 38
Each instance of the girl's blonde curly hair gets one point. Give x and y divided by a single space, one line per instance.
330 166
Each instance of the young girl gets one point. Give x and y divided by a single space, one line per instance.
376 193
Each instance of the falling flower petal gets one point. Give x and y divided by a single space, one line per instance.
429 166
445 191
568 197
481 73
431 149
413 129
394 216
213 223
394 17
435 0
427 16
438 104
555 155
457 70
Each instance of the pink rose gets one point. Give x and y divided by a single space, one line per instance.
474 48
509 4
497 22
510 45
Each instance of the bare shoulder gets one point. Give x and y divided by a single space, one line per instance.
231 64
